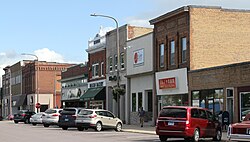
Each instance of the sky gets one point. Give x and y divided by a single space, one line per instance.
59 30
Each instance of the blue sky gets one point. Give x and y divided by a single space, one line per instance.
59 30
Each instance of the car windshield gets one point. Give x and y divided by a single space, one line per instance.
50 111
68 112
85 112
174 112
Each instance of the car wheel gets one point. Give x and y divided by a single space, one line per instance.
86 128
15 121
118 127
163 138
46 125
27 121
34 124
98 126
80 128
196 135
65 128
218 136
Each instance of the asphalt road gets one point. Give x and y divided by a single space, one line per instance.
10 132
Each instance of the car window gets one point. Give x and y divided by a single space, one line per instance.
109 114
194 113
68 112
50 111
85 112
173 112
209 115
203 114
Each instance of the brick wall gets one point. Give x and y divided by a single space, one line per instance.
218 37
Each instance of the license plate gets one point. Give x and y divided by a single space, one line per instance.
66 119
48 116
170 123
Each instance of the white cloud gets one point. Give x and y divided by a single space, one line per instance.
48 55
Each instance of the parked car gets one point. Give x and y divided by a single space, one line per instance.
97 119
51 117
67 117
190 123
36 118
240 130
23 116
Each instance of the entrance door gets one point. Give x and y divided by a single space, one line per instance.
230 104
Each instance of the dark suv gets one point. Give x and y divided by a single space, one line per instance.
67 117
190 123
23 116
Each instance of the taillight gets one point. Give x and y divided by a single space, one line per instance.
55 115
187 123
23 114
92 116
74 116
157 122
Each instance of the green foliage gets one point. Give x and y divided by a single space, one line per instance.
117 92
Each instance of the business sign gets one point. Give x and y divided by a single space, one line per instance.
167 83
138 57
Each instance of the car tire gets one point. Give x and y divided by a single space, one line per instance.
34 124
118 127
196 136
26 121
98 126
80 128
15 121
218 136
65 128
163 138
45 125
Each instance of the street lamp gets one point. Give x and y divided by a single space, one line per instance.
118 52
37 76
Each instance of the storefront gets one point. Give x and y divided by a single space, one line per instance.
222 88
172 88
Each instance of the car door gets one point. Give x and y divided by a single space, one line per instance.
203 123
211 128
102 116
111 119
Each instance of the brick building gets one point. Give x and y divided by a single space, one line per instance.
95 97
192 38
44 76
126 32
74 82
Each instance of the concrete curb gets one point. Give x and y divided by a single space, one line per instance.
139 131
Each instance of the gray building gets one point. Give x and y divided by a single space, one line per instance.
126 32
140 77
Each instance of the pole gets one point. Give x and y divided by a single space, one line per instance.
118 56
55 88
10 94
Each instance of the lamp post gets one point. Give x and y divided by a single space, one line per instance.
37 76
118 53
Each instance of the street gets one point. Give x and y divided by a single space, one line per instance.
10 132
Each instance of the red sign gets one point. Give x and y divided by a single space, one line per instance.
167 83
38 105
136 58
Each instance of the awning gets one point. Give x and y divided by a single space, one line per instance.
98 93
18 100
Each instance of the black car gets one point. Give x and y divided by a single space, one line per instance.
67 117
23 116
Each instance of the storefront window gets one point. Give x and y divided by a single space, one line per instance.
245 104
211 99
175 100
139 100
133 102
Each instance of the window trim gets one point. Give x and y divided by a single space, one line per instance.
110 64
170 53
122 63
182 59
161 62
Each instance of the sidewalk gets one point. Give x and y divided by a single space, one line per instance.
148 129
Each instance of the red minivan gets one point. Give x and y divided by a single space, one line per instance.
190 123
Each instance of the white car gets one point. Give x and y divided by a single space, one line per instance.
97 119
51 117
36 118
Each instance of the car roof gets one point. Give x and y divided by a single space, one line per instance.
185 107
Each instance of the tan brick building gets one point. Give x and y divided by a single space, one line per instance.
192 38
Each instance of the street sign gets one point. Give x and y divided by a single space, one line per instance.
38 105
